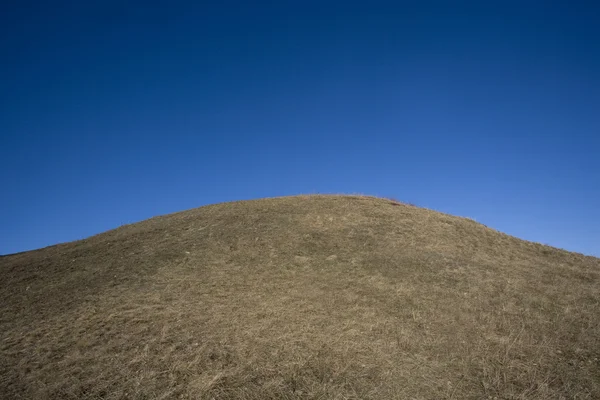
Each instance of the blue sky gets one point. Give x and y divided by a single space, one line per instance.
114 112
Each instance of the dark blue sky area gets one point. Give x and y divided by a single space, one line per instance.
114 112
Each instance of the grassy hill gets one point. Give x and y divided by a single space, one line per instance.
308 297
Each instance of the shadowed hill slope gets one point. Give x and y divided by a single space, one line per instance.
341 297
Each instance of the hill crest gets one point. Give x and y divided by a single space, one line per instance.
300 297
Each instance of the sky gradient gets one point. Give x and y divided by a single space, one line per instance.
115 112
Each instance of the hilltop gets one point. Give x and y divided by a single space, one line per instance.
306 297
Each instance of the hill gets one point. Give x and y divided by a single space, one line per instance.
307 297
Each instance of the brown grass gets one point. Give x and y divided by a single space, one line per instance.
308 297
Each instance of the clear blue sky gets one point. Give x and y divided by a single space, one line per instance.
114 112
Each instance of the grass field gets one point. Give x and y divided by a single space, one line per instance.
307 297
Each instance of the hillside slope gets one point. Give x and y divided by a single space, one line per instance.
341 297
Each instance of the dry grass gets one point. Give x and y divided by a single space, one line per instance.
308 297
